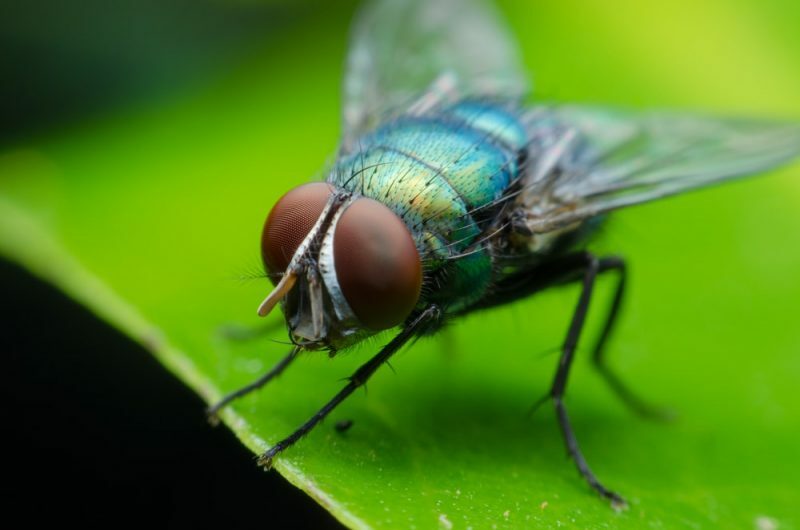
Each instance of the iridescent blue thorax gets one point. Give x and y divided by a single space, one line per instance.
444 174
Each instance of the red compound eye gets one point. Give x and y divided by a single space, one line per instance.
377 264
288 224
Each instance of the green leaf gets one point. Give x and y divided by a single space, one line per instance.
149 216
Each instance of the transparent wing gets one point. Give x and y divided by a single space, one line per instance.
401 49
594 160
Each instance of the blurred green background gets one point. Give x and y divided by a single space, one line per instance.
143 143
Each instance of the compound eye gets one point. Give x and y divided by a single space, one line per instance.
377 264
288 224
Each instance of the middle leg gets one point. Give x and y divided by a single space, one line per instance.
591 267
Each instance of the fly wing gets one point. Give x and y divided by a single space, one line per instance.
588 161
404 50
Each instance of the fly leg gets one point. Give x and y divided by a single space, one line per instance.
591 267
631 400
359 378
212 411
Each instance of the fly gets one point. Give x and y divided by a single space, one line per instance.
450 195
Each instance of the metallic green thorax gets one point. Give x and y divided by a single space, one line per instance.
443 174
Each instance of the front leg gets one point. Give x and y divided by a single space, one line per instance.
360 377
211 412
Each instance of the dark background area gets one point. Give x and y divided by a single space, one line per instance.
85 444
64 62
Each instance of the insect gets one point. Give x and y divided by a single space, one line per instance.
449 195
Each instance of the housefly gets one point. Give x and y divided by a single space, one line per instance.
449 194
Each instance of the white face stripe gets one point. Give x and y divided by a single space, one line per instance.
327 268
